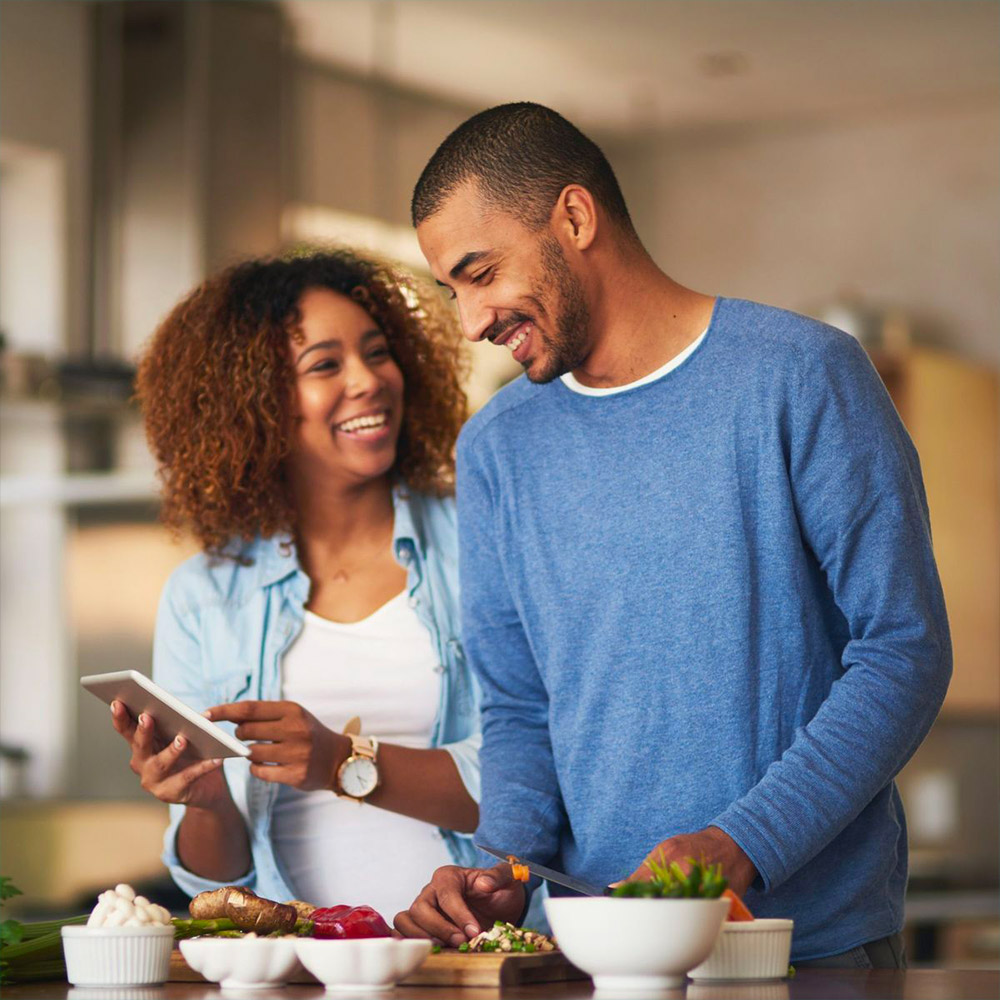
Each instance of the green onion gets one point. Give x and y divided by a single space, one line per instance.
184 928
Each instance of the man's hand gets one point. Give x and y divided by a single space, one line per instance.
298 750
710 845
458 903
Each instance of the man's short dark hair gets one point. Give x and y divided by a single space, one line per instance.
521 156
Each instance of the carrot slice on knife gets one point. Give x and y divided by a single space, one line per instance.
737 908
518 871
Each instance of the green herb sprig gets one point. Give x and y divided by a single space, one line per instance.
670 881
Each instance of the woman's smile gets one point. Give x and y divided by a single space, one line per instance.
369 427
350 390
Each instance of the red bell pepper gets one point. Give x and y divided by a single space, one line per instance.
348 922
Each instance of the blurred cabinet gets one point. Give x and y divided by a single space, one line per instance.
56 850
950 408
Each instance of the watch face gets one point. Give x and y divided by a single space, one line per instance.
359 777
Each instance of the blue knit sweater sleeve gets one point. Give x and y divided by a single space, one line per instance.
521 809
871 537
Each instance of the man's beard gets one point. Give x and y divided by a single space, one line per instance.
569 342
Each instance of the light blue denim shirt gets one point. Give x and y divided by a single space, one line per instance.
222 629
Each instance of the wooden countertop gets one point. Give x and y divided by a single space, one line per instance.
809 984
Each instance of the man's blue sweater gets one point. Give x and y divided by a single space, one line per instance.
707 600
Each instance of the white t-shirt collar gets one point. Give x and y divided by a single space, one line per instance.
585 390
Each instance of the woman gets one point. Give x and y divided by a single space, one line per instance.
304 412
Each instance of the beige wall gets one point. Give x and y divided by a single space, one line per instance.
902 210
45 80
358 147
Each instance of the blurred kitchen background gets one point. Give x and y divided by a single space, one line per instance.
834 157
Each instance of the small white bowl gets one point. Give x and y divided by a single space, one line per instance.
242 963
636 944
362 964
117 956
749 949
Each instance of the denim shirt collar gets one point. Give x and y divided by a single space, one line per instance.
276 558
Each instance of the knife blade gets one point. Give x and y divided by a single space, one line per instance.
550 874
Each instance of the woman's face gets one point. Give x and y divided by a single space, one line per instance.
350 392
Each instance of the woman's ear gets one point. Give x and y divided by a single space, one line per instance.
575 216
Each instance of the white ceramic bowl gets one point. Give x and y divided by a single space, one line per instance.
636 944
117 956
364 964
750 949
242 963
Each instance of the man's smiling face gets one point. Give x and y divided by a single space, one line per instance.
512 283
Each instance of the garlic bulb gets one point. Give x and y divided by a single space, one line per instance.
121 907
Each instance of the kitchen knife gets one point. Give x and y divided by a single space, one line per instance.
550 875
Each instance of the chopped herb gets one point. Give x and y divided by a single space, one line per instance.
670 881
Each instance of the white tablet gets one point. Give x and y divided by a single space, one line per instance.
139 694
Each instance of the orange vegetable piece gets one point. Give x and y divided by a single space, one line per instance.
737 908
518 871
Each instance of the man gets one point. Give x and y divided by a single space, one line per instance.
698 585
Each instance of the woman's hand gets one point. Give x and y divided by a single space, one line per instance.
161 771
296 749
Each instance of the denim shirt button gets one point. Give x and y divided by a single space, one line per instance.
439 669
403 553
413 602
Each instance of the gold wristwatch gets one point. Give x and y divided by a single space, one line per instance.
358 776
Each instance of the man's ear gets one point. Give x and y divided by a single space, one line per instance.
575 216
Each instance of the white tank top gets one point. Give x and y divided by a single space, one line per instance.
385 670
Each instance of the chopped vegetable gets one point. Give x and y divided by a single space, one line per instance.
503 936
737 908
518 871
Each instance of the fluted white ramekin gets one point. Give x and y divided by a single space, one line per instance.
750 949
117 956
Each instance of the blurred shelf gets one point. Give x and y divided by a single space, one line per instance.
82 488
940 907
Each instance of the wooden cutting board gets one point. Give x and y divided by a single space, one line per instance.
450 968
453 968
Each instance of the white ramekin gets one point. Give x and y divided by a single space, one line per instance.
117 956
750 949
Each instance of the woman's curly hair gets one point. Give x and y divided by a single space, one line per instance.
217 388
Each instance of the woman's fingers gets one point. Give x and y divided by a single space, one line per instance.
162 763
282 774
248 711
121 719
142 738
177 786
274 730
276 753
